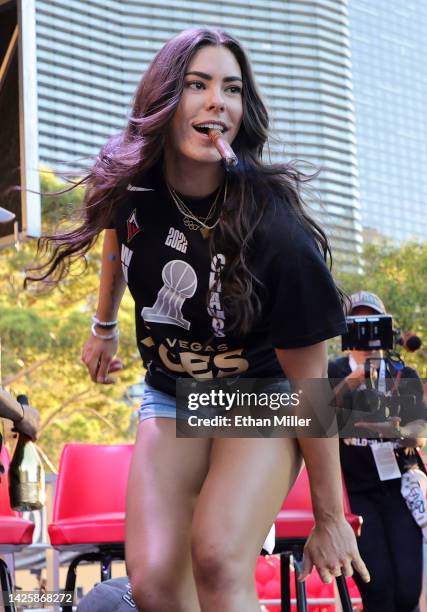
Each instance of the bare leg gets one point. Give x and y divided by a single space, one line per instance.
247 482
165 479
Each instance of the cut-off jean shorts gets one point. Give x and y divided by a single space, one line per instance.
156 404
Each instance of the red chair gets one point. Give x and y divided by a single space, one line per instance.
293 526
89 506
15 532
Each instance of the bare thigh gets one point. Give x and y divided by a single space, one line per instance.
165 479
247 482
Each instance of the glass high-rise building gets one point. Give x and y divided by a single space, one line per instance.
389 47
92 53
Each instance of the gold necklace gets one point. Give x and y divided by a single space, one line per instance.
189 213
191 220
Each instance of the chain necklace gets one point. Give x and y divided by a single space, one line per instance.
192 221
189 213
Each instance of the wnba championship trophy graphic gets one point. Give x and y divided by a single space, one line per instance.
180 283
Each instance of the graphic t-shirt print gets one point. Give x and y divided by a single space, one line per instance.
132 226
179 284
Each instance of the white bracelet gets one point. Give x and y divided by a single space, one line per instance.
115 334
105 324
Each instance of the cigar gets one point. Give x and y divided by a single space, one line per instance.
223 148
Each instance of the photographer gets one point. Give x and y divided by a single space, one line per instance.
373 468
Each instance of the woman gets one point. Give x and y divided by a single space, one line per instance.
211 259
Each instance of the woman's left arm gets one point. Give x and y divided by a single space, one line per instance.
331 546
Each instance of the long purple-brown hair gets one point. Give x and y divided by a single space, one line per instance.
140 146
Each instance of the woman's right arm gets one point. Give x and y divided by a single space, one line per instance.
98 353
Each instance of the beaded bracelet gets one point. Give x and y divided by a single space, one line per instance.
115 333
104 324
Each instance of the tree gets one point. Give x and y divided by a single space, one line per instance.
42 337
398 275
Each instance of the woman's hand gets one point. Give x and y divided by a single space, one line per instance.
98 356
332 548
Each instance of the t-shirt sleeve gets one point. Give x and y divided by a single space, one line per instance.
114 220
306 307
111 221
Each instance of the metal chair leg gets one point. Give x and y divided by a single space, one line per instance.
106 567
102 557
300 589
6 586
285 586
70 583
344 594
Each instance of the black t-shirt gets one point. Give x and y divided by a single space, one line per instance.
169 270
357 460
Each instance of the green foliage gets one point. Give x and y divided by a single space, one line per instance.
57 205
25 328
42 339
398 275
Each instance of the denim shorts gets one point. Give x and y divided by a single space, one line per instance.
156 404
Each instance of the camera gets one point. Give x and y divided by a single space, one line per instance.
372 405
368 333
381 398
